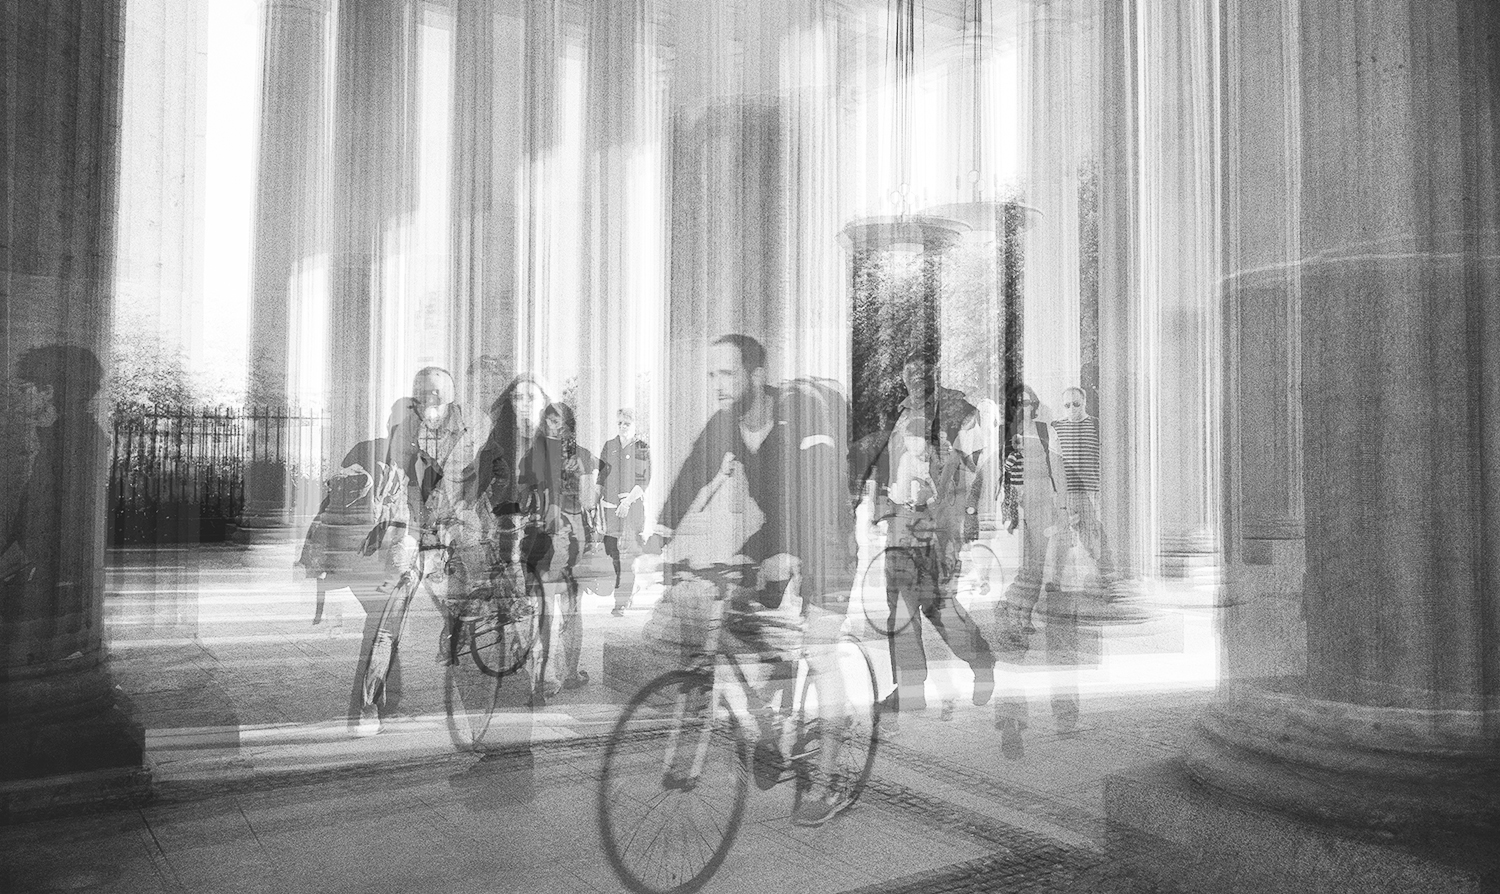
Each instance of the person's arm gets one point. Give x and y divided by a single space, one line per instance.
588 490
696 472
608 460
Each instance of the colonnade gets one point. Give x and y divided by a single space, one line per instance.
1264 238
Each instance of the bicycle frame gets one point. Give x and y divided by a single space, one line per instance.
731 689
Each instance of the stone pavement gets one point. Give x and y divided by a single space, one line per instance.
260 785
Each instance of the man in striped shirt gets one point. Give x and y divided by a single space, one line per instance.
1078 442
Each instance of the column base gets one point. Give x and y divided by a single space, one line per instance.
246 533
57 768
1163 823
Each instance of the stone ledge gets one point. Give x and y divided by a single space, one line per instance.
1162 821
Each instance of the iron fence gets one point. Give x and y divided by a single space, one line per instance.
178 474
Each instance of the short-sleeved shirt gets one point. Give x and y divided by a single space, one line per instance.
1078 442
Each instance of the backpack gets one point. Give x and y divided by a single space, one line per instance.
823 524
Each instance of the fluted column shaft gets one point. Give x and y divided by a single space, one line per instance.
1264 631
487 39
59 111
289 203
1177 217
1056 98
374 147
1396 719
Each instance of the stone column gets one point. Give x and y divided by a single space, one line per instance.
1123 408
486 154
624 212
289 205
729 203
374 156
1396 719
1377 769
1264 633
1056 97
62 739
1176 217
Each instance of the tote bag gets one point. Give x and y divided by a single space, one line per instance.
720 520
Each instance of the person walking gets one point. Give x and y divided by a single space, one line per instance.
561 474
624 475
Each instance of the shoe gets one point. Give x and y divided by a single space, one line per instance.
819 810
369 723
618 612
577 681
1011 745
984 683
946 714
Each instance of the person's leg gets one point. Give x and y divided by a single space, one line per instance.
958 629
904 576
1062 644
1014 612
571 622
612 549
840 701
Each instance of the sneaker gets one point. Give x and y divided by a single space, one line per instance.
819 810
618 612
946 714
369 723
984 683
577 681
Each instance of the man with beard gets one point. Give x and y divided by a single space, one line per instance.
784 443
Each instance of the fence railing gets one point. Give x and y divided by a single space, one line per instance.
177 474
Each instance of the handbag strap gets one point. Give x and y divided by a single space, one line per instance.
1041 434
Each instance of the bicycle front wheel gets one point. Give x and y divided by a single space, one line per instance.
838 724
674 784
501 640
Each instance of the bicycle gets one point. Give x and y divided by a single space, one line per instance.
678 763
492 629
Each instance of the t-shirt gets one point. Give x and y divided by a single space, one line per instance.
1078 442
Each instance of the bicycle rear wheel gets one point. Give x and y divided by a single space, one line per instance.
502 639
844 717
673 787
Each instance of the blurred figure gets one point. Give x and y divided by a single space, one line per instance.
1042 504
561 474
429 452
496 477
1078 441
624 475
47 567
928 471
